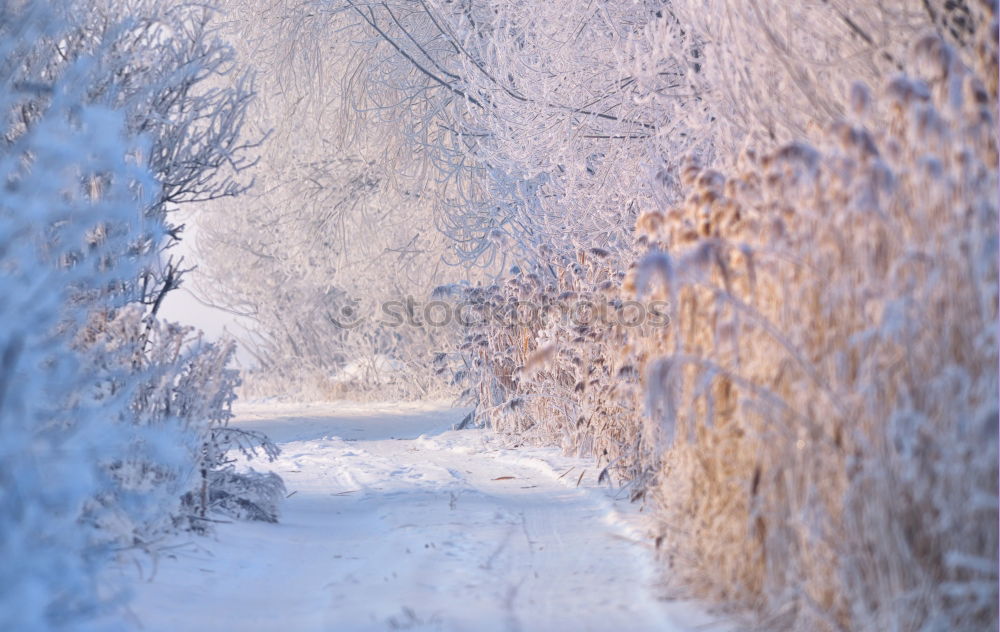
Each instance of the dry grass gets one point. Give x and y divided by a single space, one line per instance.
833 377
818 425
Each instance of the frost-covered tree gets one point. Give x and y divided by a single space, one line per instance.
330 232
163 65
397 161
471 82
611 96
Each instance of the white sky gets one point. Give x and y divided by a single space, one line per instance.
183 307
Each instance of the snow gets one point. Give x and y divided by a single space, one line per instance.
379 369
394 521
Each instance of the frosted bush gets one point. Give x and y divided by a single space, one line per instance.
104 412
61 238
179 459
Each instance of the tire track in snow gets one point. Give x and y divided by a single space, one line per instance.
398 524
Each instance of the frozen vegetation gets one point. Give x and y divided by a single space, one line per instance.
686 311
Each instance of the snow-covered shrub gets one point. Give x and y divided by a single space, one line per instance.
247 495
70 183
104 413
181 392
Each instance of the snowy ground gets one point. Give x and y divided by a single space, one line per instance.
396 523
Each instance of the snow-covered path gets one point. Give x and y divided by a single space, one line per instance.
394 522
